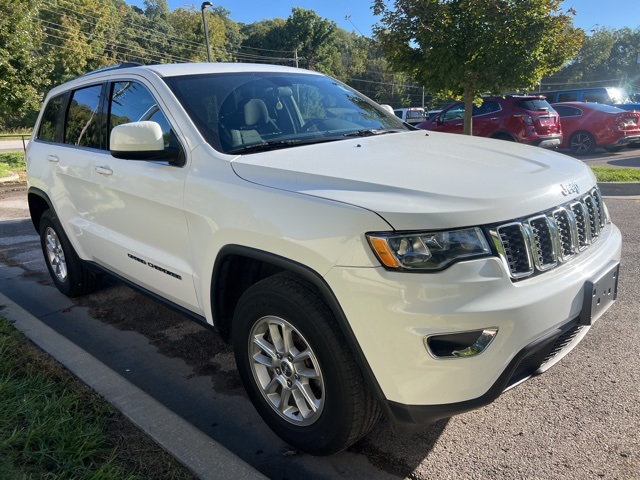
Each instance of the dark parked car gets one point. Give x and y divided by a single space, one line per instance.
524 119
589 125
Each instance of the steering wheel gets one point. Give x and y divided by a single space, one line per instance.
311 123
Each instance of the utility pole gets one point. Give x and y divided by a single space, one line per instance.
206 31
295 53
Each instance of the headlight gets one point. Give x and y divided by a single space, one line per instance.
428 250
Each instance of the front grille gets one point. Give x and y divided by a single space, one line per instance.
542 242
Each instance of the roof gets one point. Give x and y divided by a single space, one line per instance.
173 70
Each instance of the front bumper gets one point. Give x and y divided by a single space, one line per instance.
391 314
533 359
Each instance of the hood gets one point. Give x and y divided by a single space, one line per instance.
424 180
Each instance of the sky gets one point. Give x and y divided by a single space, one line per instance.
590 13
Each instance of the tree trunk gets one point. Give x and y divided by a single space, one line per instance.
468 110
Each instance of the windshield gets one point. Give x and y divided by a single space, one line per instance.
255 111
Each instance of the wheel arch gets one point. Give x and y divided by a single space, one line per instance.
39 202
504 135
238 267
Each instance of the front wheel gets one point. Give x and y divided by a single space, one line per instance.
297 368
67 271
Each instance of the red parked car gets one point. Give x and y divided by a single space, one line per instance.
589 125
519 118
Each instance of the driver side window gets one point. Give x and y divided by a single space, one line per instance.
454 113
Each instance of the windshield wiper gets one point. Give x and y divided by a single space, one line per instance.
277 144
369 132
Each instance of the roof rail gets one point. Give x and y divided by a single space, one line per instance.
112 67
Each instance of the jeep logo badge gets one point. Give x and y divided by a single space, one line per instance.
569 188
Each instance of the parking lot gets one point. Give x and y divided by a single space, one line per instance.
581 419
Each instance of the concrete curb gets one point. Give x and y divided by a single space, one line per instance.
11 178
204 457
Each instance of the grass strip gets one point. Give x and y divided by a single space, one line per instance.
54 426
616 174
13 162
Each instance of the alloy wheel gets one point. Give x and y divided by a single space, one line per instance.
286 370
55 254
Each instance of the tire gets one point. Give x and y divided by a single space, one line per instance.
582 143
505 137
67 271
613 149
307 388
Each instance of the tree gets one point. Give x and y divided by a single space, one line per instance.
23 70
464 48
187 22
607 58
80 35
314 39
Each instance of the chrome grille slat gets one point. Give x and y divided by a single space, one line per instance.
543 233
542 242
567 233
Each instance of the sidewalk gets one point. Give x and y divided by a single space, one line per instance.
206 458
12 145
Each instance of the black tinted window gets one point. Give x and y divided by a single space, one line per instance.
83 118
51 120
132 102
534 104
566 111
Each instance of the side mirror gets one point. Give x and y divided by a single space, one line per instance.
388 108
140 141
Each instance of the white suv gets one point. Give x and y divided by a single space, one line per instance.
358 266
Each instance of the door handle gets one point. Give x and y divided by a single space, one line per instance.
53 158
459 124
494 118
103 170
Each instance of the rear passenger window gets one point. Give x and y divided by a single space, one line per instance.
48 130
488 106
566 111
83 118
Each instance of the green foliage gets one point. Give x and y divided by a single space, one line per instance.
23 72
313 37
12 162
47 43
606 55
464 48
616 174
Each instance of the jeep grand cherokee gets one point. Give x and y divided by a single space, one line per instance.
359 267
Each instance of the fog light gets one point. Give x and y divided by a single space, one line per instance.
461 344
